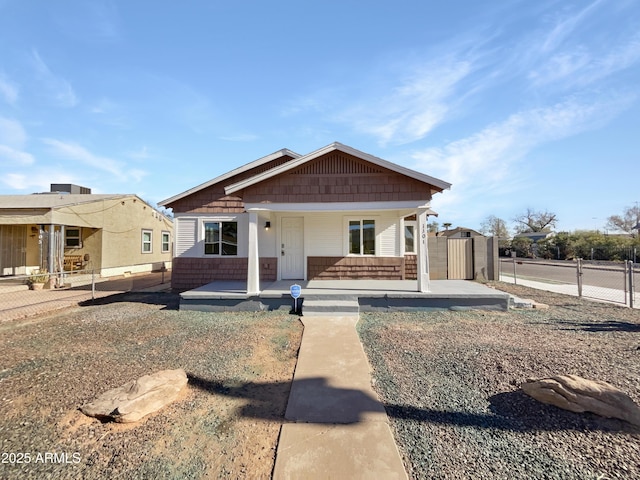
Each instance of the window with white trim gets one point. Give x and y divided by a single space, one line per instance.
166 242
362 237
409 237
73 238
221 238
147 241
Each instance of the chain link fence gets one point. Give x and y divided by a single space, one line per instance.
609 281
26 295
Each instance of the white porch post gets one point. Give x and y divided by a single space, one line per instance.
422 251
253 271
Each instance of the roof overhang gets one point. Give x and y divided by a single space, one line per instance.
256 163
439 184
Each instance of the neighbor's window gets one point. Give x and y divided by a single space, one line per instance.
147 238
72 238
166 242
362 237
221 238
409 239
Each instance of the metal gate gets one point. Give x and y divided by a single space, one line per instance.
460 261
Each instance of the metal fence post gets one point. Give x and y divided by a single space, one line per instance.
631 287
93 285
515 278
579 275
626 280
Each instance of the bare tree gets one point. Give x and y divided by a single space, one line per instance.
494 227
627 222
533 221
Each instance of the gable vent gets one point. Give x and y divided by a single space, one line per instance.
337 164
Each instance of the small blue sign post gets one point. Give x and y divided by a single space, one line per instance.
295 291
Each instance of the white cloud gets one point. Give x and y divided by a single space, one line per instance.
11 156
485 163
12 133
72 151
12 140
58 89
8 90
418 104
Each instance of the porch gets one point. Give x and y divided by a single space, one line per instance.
330 296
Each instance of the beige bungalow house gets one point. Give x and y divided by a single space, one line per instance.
335 213
61 231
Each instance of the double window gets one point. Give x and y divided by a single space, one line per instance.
221 238
73 238
362 237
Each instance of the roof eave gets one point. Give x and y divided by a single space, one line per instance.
435 182
248 166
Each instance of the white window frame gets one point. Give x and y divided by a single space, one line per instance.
167 243
413 224
145 242
67 236
347 242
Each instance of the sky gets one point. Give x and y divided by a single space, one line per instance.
518 104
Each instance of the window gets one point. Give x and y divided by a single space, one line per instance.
166 242
147 237
465 234
362 237
221 238
73 238
409 239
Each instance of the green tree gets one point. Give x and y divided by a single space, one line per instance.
522 246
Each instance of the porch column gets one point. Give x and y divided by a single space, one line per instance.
52 246
422 251
253 271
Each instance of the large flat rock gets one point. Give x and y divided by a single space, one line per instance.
577 394
138 398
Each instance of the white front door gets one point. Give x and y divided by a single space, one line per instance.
292 251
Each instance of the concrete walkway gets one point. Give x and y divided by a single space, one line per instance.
337 426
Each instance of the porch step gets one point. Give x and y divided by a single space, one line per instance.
330 306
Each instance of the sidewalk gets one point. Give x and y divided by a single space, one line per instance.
337 426
589 292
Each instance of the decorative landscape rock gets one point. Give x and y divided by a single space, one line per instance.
138 398
577 394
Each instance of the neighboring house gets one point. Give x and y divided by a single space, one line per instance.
459 232
59 231
535 237
335 213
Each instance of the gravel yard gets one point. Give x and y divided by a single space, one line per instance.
450 383
225 425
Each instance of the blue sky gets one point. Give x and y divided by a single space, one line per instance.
518 104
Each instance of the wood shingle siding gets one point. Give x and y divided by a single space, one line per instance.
349 268
195 272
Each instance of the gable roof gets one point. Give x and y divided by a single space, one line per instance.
435 182
256 163
455 231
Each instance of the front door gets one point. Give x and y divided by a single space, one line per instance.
292 251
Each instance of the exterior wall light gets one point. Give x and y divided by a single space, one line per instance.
267 225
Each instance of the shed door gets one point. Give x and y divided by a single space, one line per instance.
460 259
292 251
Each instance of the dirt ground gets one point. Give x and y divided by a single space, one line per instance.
225 425
450 382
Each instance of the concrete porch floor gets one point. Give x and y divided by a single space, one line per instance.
372 295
